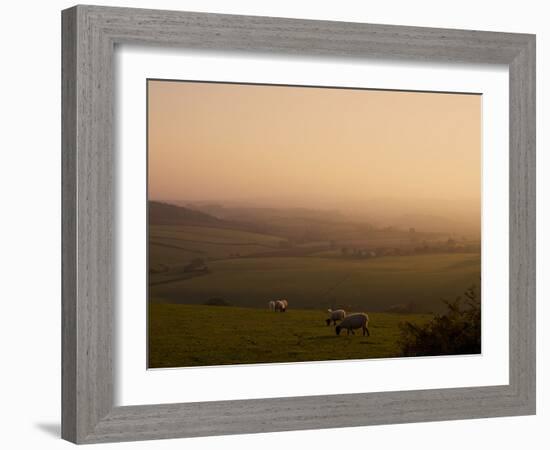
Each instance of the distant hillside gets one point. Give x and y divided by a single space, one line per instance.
166 214
297 224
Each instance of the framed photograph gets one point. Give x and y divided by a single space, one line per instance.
278 224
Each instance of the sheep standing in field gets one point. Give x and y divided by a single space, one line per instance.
281 305
271 305
353 322
336 315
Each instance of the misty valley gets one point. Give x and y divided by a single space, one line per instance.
213 268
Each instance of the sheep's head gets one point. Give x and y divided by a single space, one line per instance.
338 329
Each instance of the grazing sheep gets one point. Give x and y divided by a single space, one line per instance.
354 321
271 305
338 314
281 305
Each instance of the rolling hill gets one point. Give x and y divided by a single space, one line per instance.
167 214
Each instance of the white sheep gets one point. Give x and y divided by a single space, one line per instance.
281 305
271 305
336 315
353 322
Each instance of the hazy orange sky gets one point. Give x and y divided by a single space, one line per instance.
312 147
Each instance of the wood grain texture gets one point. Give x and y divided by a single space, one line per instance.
523 224
68 226
89 36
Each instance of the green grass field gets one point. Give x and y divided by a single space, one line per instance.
313 282
193 335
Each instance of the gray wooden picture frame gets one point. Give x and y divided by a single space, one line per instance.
88 42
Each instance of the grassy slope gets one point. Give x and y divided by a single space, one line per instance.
312 282
174 245
187 335
222 235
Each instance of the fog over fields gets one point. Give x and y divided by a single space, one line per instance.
359 199
318 259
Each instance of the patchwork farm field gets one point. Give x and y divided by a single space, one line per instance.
195 335
239 272
177 245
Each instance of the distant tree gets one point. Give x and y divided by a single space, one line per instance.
196 264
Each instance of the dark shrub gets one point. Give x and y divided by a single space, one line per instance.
457 332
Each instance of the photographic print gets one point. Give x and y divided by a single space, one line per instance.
305 223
